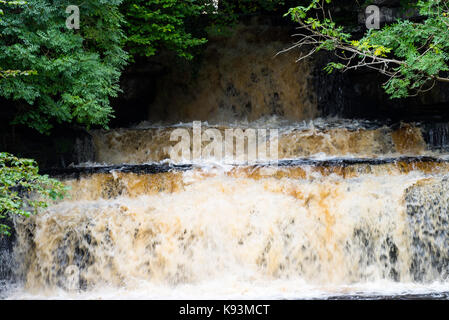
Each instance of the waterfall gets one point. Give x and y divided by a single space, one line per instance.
317 138
350 207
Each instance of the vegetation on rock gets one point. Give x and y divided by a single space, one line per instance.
22 189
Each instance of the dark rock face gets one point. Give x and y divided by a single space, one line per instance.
65 146
6 257
436 135
139 83
77 172
359 95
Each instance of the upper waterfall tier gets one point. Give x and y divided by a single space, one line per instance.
297 141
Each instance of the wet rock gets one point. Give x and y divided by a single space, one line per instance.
428 215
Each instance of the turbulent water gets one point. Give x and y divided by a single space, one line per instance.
362 210
314 139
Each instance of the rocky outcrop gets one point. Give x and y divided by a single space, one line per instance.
6 259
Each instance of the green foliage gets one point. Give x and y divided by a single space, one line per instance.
230 11
13 73
331 66
422 47
22 190
182 26
233 8
414 55
75 71
156 24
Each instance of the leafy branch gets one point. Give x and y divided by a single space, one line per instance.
23 190
414 56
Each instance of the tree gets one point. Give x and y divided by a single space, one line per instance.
13 73
22 190
153 25
182 26
413 55
75 71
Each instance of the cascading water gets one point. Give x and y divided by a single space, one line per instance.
361 209
317 139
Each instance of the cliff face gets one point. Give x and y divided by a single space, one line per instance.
6 260
359 95
241 78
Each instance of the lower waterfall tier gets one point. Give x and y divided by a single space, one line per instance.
244 232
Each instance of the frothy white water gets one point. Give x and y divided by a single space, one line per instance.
220 231
314 139
211 234
235 289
